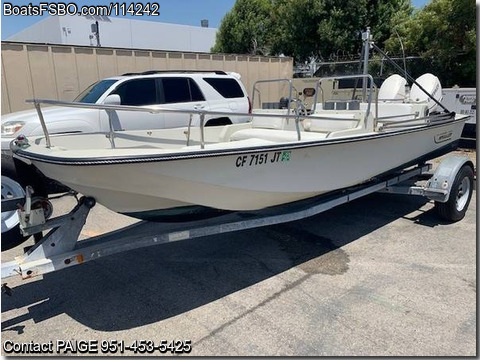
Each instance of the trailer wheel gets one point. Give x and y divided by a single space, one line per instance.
457 204
11 235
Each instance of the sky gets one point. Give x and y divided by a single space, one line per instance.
185 12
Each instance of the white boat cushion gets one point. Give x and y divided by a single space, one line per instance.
398 109
268 122
323 125
274 135
230 145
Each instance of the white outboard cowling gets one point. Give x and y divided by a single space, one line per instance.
392 89
432 85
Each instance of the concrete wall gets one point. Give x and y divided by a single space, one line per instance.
61 72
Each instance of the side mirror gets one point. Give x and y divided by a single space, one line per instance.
113 99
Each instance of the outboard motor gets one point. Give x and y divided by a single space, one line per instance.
432 85
392 89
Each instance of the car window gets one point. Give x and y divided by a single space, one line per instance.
195 91
92 93
137 92
177 90
228 88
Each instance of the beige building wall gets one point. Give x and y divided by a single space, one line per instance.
61 72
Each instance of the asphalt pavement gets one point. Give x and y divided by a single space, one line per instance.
379 276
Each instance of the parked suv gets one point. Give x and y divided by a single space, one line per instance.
186 90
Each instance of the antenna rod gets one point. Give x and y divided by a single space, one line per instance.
409 77
403 50
367 39
359 68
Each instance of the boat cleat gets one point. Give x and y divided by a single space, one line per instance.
21 141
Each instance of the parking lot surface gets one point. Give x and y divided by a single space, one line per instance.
379 276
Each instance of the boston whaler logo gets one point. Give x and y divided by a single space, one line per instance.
444 136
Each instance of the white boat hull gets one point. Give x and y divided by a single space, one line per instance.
251 179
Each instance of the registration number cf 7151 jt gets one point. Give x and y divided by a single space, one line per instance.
262 158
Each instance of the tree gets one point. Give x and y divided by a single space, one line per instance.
325 28
341 26
307 28
443 34
384 15
246 29
296 28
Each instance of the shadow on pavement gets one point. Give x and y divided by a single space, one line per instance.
144 286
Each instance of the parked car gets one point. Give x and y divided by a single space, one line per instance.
187 90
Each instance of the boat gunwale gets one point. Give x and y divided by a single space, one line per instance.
24 153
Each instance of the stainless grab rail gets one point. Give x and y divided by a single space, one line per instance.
290 90
150 109
360 76
434 120
384 118
111 109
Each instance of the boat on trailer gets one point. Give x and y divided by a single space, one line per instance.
281 156
450 187
284 165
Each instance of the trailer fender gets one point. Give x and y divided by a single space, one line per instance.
439 186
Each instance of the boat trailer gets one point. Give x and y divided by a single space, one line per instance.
450 186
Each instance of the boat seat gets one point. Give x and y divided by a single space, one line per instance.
144 146
398 109
274 135
252 142
341 105
345 120
268 122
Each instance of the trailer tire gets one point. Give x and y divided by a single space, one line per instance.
12 238
455 207
11 235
